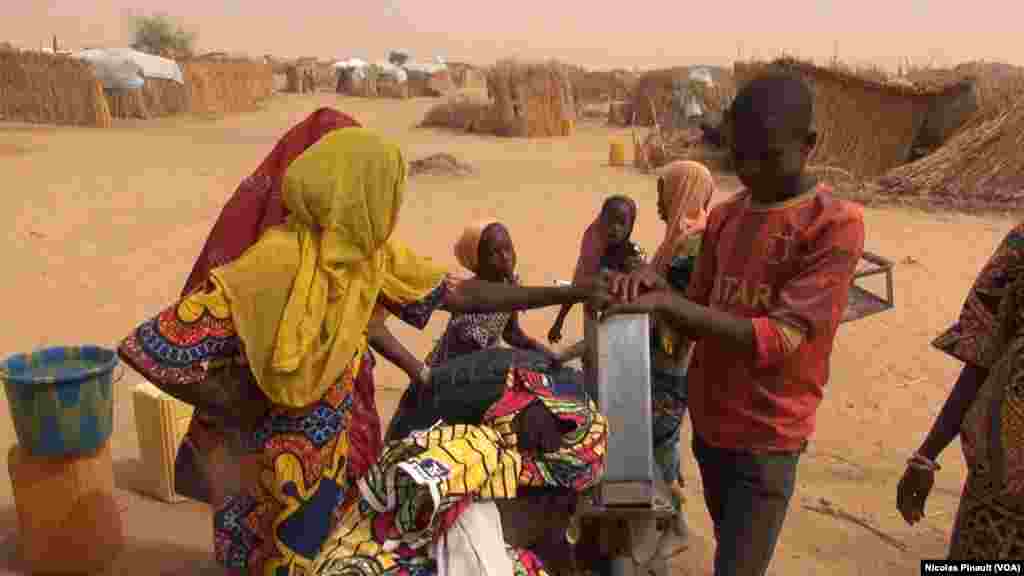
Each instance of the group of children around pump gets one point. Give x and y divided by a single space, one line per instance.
745 299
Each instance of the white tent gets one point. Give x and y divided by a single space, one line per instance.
388 69
702 75
125 68
692 108
400 55
351 63
354 66
117 74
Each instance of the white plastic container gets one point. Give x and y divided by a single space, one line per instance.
161 422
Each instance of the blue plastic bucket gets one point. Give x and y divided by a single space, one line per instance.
61 399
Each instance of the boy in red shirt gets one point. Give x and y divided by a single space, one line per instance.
768 293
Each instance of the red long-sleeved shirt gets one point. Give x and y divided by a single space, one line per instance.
788 267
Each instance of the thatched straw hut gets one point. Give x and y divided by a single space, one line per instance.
997 86
947 113
294 79
357 81
156 98
620 113
865 126
467 77
301 76
982 164
531 100
51 89
389 87
430 83
325 76
602 86
652 93
277 66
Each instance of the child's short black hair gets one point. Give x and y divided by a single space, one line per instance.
774 101
618 200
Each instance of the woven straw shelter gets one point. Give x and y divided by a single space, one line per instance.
602 86
948 112
983 163
620 113
997 86
361 83
531 100
212 86
865 126
52 89
301 76
430 85
389 87
156 98
467 77
465 111
652 93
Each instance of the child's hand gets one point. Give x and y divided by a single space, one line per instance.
555 334
629 286
648 303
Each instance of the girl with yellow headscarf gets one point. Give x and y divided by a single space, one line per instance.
270 346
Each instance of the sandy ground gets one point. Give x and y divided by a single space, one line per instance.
101 228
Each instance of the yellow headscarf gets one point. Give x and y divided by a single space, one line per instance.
467 247
302 296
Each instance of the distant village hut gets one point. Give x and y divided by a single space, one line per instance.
531 100
431 79
868 126
392 81
354 77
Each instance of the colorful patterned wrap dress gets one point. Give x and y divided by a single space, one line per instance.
276 480
990 334
422 483
668 382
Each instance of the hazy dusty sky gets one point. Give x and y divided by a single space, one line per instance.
597 34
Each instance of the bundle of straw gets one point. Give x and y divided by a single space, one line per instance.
531 100
459 112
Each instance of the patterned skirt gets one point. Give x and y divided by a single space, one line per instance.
989 523
275 490
668 394
422 483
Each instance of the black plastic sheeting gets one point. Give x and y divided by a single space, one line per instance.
462 389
